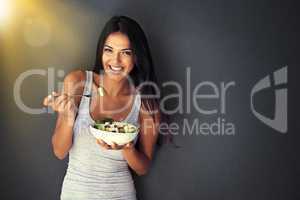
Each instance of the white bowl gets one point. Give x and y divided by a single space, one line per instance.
110 137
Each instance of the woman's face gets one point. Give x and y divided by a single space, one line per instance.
118 58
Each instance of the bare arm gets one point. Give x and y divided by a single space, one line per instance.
62 136
140 160
66 107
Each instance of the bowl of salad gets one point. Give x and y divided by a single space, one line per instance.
111 131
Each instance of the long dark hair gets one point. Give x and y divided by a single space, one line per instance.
143 70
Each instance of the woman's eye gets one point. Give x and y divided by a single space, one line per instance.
106 50
127 53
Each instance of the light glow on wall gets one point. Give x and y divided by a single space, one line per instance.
5 11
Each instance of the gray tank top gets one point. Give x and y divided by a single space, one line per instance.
96 173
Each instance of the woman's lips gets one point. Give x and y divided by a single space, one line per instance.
116 69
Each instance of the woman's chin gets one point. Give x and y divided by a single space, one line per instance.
116 76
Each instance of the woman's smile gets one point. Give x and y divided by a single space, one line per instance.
116 69
117 55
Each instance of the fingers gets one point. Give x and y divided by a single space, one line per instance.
129 145
60 103
49 100
103 144
114 146
70 105
56 102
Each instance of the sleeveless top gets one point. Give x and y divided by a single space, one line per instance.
95 173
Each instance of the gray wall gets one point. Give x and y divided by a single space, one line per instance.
221 41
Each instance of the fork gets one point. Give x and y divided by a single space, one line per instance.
100 92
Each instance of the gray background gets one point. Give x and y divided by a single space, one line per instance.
241 41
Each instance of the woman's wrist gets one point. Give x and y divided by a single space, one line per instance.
69 119
129 150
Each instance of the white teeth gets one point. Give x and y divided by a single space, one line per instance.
116 68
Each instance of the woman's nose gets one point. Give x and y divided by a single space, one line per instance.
116 58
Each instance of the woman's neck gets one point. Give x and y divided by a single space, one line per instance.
112 87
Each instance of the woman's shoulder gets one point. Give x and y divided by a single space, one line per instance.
75 76
74 81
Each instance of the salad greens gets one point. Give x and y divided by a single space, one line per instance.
108 124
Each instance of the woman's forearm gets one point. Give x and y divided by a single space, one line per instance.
62 137
136 160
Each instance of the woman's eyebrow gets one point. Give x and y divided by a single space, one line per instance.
107 46
126 49
121 49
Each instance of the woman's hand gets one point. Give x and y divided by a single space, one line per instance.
115 146
61 103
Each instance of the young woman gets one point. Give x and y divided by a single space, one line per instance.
97 170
